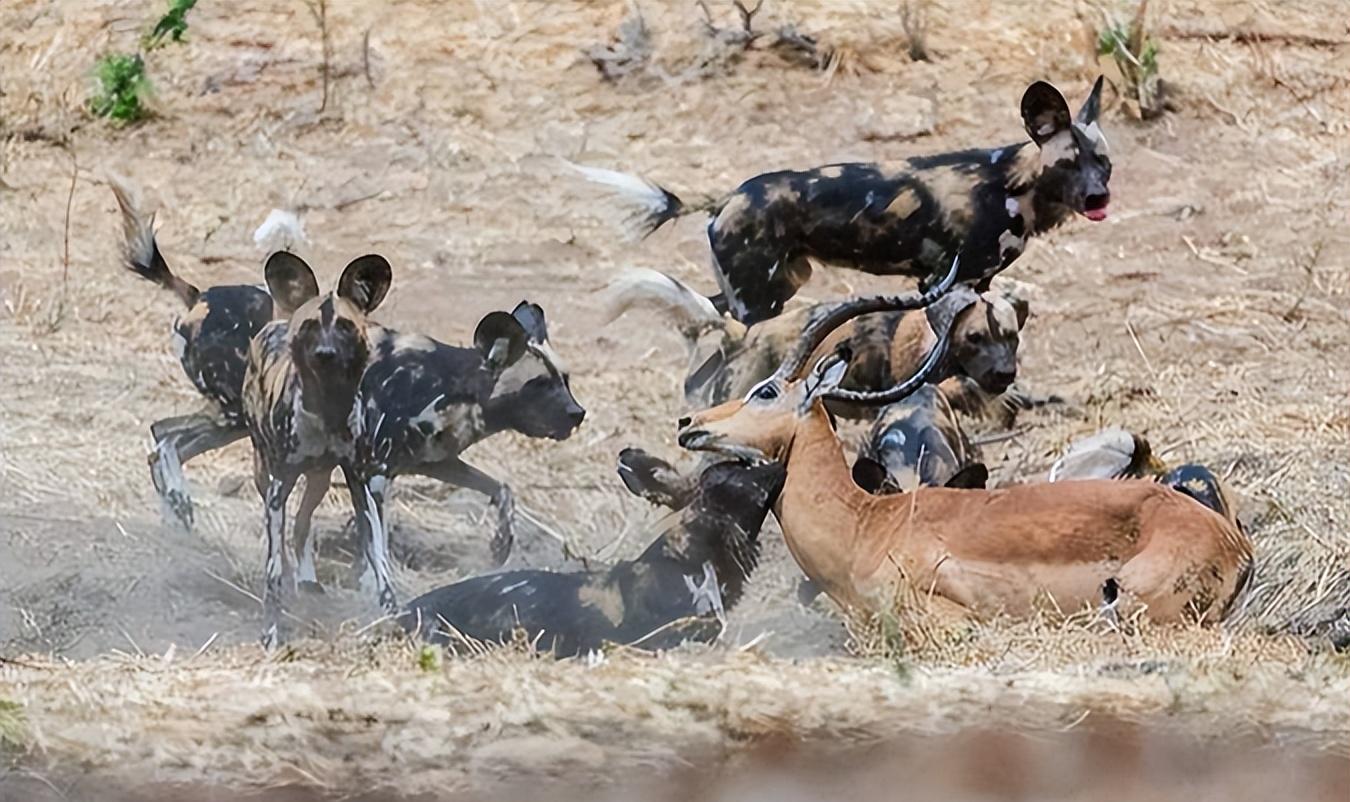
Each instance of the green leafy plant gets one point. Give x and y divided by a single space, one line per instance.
429 659
1135 52
13 726
122 86
172 25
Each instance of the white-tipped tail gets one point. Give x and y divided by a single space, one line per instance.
281 231
639 287
653 205
138 230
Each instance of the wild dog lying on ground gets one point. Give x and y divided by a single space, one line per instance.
728 358
1118 454
421 403
918 442
299 396
212 339
1081 544
911 218
677 590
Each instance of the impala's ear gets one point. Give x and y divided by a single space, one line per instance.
826 376
500 339
290 282
869 474
974 476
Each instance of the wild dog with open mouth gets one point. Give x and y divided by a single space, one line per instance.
906 219
677 590
421 403
727 358
212 340
299 397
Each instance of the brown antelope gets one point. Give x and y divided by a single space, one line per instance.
1080 544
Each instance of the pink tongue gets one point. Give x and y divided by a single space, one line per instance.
1095 214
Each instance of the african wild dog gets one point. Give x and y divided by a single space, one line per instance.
299 401
421 403
212 339
677 590
727 358
654 480
906 219
918 442
1115 453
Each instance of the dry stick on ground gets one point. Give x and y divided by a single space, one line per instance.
914 19
630 51
319 8
365 58
58 314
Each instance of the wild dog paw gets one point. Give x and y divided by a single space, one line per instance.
505 538
167 475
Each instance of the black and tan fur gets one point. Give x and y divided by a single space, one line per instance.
728 358
212 339
905 219
677 590
918 442
299 395
1115 453
421 403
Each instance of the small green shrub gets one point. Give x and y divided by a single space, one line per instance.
122 85
13 726
429 659
172 25
1132 47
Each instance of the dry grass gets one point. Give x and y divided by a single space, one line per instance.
1206 315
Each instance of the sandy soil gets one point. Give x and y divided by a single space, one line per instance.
1209 313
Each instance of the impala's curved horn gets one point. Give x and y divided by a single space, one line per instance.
816 333
904 388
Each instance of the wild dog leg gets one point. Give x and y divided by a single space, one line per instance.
316 487
177 440
457 472
368 502
274 524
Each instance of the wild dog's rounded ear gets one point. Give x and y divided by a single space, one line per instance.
531 316
501 339
366 281
974 476
1092 107
1044 112
289 281
943 312
869 474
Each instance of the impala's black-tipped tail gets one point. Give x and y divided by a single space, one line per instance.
140 251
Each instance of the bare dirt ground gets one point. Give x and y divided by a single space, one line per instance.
1210 313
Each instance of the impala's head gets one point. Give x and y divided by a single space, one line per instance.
1075 168
985 338
328 339
761 426
531 388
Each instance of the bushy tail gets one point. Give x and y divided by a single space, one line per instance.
634 288
654 205
140 252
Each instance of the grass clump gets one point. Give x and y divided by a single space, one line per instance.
122 88
429 659
1132 47
13 726
171 26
